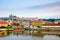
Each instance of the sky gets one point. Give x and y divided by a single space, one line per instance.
30 8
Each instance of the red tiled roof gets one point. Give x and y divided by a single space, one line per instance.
3 22
50 24
37 20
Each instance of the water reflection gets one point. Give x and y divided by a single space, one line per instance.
18 33
37 33
9 32
58 35
3 33
25 33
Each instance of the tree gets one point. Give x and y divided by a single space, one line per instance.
8 27
22 25
37 24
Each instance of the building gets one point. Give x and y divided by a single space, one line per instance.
12 17
3 23
18 28
50 24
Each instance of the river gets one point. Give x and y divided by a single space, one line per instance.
29 35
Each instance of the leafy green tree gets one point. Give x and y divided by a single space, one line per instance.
14 23
22 25
8 27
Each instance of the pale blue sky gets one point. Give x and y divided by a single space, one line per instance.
30 8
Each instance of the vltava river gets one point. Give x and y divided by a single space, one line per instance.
28 35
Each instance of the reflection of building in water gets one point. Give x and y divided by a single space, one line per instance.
27 32
17 33
3 33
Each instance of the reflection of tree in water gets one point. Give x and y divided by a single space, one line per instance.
9 32
58 35
37 33
27 32
3 33
15 33
18 33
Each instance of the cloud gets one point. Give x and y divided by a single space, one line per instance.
46 12
42 11
44 6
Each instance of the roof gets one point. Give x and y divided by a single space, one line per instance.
3 22
51 24
37 20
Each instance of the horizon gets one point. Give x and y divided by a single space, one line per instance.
30 8
29 17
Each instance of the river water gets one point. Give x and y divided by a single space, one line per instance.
27 35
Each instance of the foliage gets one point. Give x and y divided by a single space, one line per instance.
2 27
22 25
8 27
37 24
14 23
51 20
